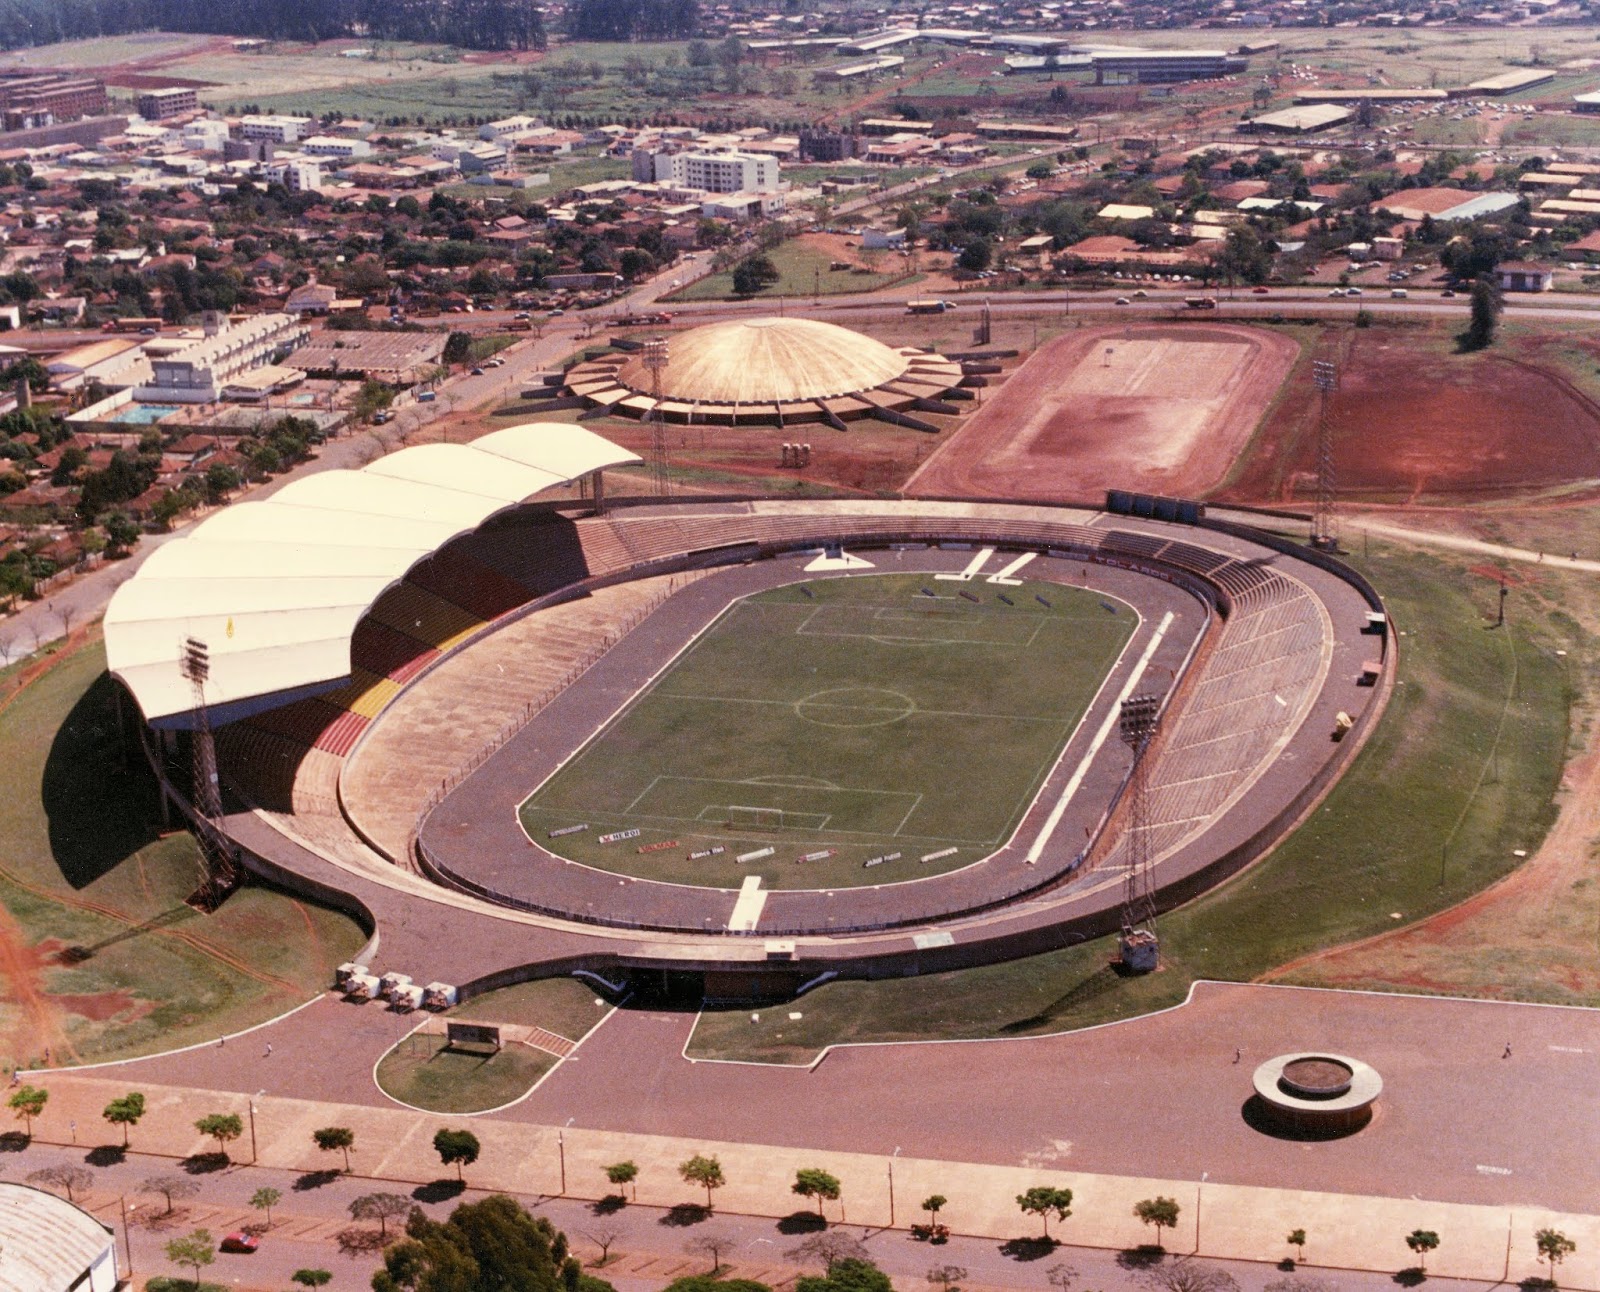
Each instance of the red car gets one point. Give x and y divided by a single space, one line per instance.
1259 291
240 1242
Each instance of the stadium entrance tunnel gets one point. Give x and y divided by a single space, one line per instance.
657 988
666 988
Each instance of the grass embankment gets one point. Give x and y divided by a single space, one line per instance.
419 1070
1461 772
803 271
102 959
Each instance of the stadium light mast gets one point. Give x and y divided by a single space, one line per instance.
655 359
1138 946
1325 376
219 874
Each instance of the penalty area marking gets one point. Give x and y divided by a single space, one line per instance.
1071 787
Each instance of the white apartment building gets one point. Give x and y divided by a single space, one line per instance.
274 129
334 146
297 174
206 135
197 373
723 172
507 126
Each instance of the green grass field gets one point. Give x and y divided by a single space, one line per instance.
803 270
859 715
419 1071
93 898
1461 773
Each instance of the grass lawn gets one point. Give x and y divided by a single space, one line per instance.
857 717
93 897
803 270
1461 773
421 1072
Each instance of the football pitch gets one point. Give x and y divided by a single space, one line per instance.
838 723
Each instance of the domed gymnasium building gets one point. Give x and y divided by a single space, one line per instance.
773 371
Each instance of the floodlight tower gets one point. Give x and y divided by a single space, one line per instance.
1325 376
218 873
1139 947
655 359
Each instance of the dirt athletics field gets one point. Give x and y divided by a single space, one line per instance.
1157 408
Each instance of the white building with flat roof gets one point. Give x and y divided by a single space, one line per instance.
335 146
275 129
718 172
198 373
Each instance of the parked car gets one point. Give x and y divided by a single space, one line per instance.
1258 291
1122 300
239 1241
477 372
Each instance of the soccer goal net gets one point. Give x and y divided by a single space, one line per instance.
755 818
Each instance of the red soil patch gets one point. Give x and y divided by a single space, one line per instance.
1410 423
1157 408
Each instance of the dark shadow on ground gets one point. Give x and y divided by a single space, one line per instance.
1096 984
1031 1248
358 1240
438 1190
686 1214
13 1141
106 1155
101 806
314 1180
802 1222
1258 1116
1411 1278
609 1205
206 1163
1146 1256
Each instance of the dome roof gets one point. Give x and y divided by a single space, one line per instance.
768 360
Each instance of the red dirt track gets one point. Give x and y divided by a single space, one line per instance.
1410 424
1160 408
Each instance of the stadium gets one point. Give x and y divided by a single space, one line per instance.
727 747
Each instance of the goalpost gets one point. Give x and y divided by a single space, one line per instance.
754 818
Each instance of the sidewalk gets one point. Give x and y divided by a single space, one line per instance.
1217 1220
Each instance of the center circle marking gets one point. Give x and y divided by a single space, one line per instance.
855 706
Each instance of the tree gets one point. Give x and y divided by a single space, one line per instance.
810 1182
493 1243
196 1250
221 480
933 1205
1040 170
335 1137
380 1207
704 1171
829 1249
976 255
603 1238
1160 1212
69 1179
1554 1247
457 347
28 1102
754 274
849 1275
172 1187
1189 1275
312 1278
714 1245
456 1148
121 532
623 1174
1422 1241
125 1112
265 1199
1484 317
1296 1238
222 1127
1041 1200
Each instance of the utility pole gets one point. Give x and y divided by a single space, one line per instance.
218 873
1325 376
1139 947
655 359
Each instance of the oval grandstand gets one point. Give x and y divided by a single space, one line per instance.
334 786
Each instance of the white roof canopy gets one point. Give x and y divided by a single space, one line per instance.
275 588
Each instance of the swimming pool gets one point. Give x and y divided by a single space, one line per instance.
143 414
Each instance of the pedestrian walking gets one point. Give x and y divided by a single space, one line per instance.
1507 1054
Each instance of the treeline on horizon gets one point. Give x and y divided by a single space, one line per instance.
469 24
633 19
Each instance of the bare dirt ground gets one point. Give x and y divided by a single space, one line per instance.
1413 421
1158 408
